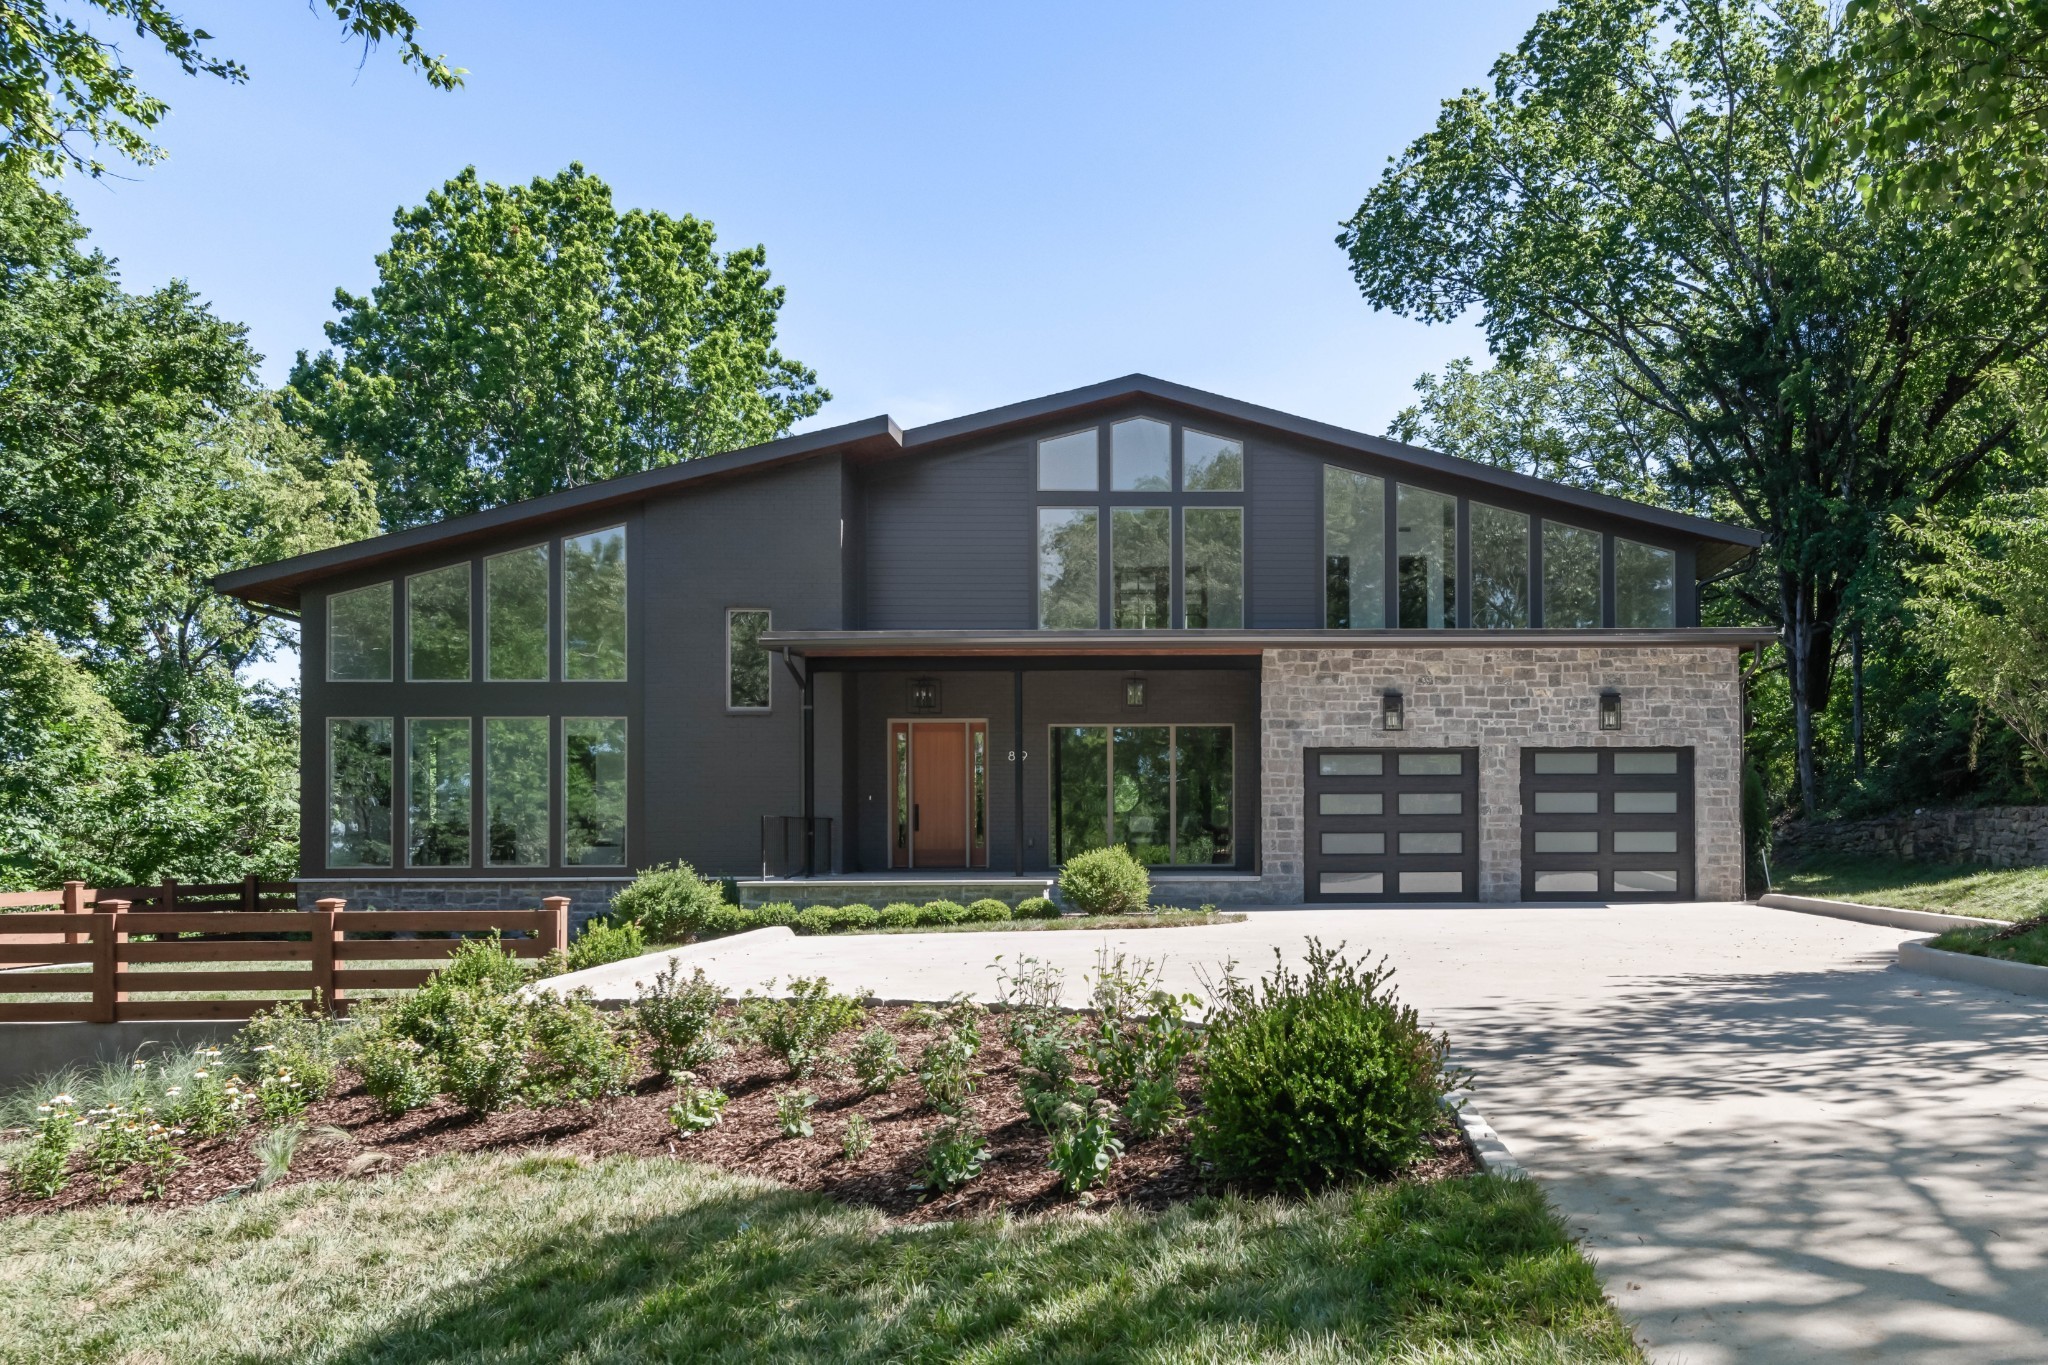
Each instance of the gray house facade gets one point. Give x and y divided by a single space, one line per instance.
1280 661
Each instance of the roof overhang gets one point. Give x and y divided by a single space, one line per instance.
941 644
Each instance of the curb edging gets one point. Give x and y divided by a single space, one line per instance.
2020 978
1494 1156
1927 921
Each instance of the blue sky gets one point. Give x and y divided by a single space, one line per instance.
969 205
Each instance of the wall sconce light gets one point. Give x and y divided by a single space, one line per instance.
1610 710
1134 691
924 696
1391 713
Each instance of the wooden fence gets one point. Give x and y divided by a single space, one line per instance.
185 947
21 946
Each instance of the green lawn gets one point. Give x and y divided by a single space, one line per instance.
2031 947
2007 893
541 1258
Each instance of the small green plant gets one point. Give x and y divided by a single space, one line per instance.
946 1072
877 1064
680 1018
858 1137
1037 907
578 1057
133 1140
1317 1076
1152 1106
286 1038
798 1028
672 904
793 1112
1030 990
275 1152
1046 1062
39 1168
697 1107
961 1013
212 1102
954 1156
484 1057
602 941
397 1072
1105 881
1083 1145
280 1093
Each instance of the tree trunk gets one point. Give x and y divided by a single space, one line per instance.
1856 693
1807 650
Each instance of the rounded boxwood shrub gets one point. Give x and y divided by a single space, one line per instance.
1310 1078
601 941
836 919
941 912
672 904
987 910
1038 907
1105 881
774 913
901 915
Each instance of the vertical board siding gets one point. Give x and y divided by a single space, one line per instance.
1283 538
947 541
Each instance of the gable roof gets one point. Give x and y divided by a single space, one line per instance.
875 438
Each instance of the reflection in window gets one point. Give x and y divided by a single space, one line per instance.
1210 464
1427 543
358 792
594 792
1141 567
1500 568
1354 550
1162 791
516 791
1140 456
516 615
1571 577
1080 790
1212 559
1202 778
437 793
359 635
594 606
1069 462
1645 586
437 625
749 684
1141 787
1069 552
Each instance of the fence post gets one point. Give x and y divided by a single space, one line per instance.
558 927
105 962
249 891
323 951
170 895
74 904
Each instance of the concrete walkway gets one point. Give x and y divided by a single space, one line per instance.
1777 1145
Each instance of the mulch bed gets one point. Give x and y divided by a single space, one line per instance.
1016 1178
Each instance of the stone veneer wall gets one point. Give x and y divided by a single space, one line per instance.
1502 699
589 897
1997 836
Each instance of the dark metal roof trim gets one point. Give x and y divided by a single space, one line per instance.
939 643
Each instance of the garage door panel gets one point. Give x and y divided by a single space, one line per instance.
1390 825
1607 823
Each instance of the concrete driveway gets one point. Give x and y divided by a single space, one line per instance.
1777 1145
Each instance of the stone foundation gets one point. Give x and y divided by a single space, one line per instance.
589 897
1996 836
1503 700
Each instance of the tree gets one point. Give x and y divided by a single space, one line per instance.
527 339
60 81
1640 184
1983 606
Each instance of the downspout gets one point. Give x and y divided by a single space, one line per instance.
806 761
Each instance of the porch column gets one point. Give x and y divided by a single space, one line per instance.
1017 767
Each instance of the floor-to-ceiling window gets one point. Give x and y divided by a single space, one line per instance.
1165 792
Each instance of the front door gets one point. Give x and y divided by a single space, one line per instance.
940 782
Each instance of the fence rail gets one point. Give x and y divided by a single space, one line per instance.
22 947
186 946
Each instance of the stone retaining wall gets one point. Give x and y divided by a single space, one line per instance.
589 897
1997 836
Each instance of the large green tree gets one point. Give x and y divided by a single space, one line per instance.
525 339
1641 183
66 90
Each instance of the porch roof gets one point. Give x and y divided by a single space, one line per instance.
927 644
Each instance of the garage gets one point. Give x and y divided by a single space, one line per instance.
1607 824
1392 825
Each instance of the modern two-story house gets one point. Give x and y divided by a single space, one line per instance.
1280 661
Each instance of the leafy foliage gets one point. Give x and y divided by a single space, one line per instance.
577 1056
525 339
397 1072
793 1113
680 1017
670 903
1084 1146
875 1061
697 1107
1317 1076
1105 881
954 1156
602 941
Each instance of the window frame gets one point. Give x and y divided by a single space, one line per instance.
1038 482
1173 729
1099 511
731 707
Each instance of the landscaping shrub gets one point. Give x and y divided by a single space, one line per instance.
946 1072
286 1041
212 1101
1083 1145
780 914
602 941
941 912
876 1063
680 1018
672 904
483 1049
901 915
1105 881
577 1056
397 1072
1317 1077
697 1108
954 1156
836 919
793 1112
988 910
797 1029
1038 907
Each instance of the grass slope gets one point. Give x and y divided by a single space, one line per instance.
541 1258
2007 893
2030 947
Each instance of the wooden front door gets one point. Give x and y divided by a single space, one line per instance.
938 784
